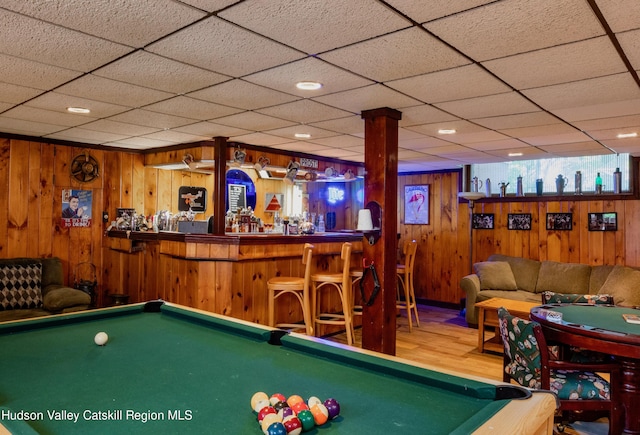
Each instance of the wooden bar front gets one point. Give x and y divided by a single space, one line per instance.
221 274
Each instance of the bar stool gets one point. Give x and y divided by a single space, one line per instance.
356 276
341 282
405 276
296 286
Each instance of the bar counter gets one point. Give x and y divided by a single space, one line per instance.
221 274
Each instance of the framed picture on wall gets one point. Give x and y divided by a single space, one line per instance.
560 221
603 221
416 204
519 221
482 221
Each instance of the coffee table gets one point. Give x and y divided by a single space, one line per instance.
488 316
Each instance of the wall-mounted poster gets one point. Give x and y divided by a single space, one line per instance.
76 208
192 199
519 221
237 195
416 204
482 221
274 202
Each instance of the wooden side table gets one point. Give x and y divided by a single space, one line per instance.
488 316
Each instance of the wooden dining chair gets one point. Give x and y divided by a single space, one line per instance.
341 283
297 286
583 394
406 296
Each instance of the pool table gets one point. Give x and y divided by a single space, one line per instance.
172 369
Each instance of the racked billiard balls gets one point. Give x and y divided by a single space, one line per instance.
293 425
320 414
276 428
306 418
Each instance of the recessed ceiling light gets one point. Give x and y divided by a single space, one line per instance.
302 135
446 131
308 86
514 154
626 135
78 110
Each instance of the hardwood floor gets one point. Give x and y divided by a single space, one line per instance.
444 341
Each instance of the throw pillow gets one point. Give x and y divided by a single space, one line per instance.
524 269
495 275
623 283
563 277
20 286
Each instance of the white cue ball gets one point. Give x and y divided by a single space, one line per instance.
101 338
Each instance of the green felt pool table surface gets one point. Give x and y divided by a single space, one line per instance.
183 371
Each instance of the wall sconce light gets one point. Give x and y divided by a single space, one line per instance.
262 163
292 171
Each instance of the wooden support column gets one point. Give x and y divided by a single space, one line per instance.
219 184
381 186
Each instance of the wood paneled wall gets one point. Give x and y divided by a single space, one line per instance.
443 244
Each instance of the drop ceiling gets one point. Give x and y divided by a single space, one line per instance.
542 78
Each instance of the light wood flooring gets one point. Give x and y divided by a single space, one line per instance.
443 340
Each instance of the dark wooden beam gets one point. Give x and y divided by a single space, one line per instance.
381 186
219 184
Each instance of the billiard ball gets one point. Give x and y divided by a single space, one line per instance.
292 400
266 411
276 428
320 414
293 425
260 395
277 397
313 400
333 407
299 406
268 420
261 404
101 338
279 405
306 418
286 412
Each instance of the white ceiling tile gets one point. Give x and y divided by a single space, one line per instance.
304 111
31 128
175 136
618 87
261 139
481 136
192 108
631 46
141 143
131 22
211 129
57 102
552 139
516 26
122 128
461 127
560 64
593 147
620 122
505 144
151 119
253 121
437 8
33 74
422 143
43 42
539 130
490 105
284 78
621 15
111 91
152 71
602 135
348 125
517 121
597 111
242 94
334 152
210 5
47 116
379 58
367 98
315 26
219 46
301 147
79 134
342 141
15 94
290 132
452 84
424 114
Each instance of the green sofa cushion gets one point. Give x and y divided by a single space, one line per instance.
524 270
563 277
60 297
623 283
495 275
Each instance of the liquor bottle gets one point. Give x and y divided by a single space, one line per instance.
598 184
617 181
